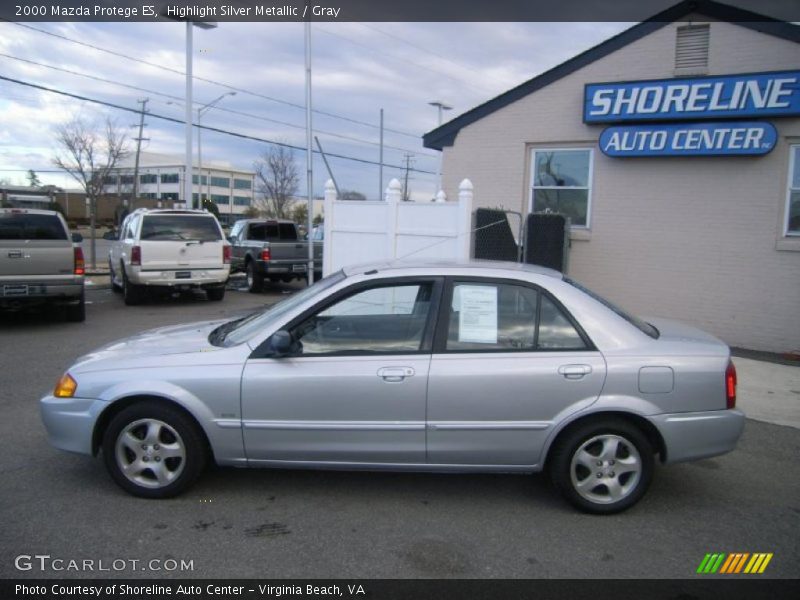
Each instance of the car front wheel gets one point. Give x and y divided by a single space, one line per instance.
153 450
602 467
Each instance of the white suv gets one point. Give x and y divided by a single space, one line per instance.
164 248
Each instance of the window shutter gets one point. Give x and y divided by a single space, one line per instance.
691 46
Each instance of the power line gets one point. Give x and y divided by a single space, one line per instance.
220 108
204 127
198 78
406 61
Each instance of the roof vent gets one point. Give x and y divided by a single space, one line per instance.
691 47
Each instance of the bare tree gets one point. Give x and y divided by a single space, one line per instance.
276 172
88 153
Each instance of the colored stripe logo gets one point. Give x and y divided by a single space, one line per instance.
734 563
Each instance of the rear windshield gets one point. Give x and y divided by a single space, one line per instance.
170 228
641 325
22 226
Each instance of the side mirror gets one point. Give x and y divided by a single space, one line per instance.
77 238
281 343
231 239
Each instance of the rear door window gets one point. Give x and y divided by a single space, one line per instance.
170 228
23 226
288 232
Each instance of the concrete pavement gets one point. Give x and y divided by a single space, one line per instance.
768 392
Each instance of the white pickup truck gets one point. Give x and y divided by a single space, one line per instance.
40 263
169 249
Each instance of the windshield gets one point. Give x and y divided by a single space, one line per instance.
236 332
170 228
641 325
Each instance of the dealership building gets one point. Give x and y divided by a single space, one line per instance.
674 149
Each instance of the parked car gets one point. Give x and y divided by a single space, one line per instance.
40 263
169 249
270 249
477 367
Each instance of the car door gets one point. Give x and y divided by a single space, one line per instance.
508 363
353 390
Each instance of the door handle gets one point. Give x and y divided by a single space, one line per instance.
574 371
395 374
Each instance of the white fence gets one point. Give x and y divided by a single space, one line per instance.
358 231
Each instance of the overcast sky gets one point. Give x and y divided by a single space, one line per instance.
357 69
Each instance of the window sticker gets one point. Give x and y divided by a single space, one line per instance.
477 319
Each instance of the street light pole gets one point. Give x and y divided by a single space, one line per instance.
309 157
441 106
200 111
187 176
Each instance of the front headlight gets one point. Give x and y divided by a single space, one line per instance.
66 386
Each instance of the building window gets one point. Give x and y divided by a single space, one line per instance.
149 195
221 182
203 179
220 199
241 201
204 196
793 196
110 180
126 179
562 184
148 178
170 178
170 196
242 184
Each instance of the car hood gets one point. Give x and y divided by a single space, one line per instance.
175 339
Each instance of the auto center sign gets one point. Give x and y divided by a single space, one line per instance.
721 97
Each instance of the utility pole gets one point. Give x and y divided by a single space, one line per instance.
409 160
139 139
380 169
309 156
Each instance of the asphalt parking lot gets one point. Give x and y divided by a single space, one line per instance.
260 523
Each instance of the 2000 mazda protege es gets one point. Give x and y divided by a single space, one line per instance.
448 367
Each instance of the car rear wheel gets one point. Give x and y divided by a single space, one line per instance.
131 293
255 280
153 450
602 467
216 294
77 312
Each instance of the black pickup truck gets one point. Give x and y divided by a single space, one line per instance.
271 249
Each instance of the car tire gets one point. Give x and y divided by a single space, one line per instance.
255 280
115 287
216 294
153 450
76 313
131 293
603 466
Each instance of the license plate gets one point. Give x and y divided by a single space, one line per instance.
15 290
298 268
183 274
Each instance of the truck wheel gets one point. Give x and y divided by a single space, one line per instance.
255 280
216 294
131 293
77 312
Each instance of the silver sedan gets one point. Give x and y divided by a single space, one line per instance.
448 367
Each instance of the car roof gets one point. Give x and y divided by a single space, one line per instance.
491 267
29 211
172 211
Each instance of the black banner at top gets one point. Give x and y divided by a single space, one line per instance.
155 11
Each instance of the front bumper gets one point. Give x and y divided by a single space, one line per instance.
70 421
692 436
197 277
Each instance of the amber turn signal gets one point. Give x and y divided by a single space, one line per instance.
66 386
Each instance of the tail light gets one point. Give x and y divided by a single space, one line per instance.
266 254
80 263
226 255
136 255
730 385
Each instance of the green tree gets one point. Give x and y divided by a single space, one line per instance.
33 179
211 207
300 214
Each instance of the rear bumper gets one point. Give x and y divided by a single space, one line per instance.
21 292
692 436
70 422
283 269
197 277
